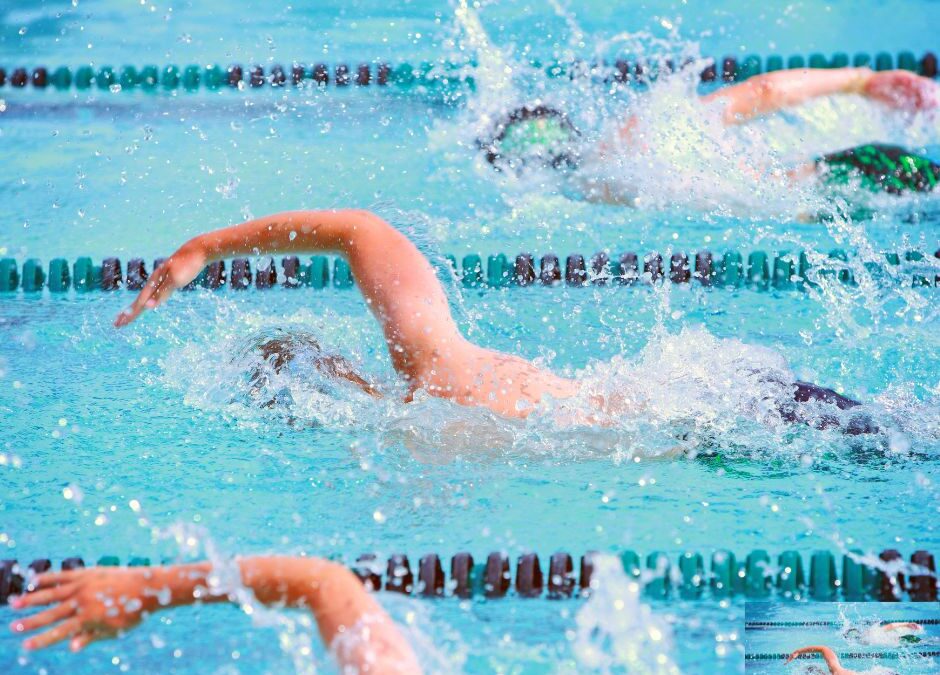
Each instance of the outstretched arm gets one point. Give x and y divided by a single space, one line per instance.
770 92
96 603
902 625
828 655
398 283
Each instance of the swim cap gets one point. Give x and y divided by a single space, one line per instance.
539 136
910 638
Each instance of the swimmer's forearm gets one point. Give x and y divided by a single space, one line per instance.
331 592
770 92
287 232
829 656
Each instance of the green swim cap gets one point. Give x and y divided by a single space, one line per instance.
539 136
911 639
542 133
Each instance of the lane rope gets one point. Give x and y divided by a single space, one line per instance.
758 270
239 77
754 577
888 656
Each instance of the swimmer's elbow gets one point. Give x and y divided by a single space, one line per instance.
768 95
757 96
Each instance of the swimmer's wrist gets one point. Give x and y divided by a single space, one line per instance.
196 246
177 585
859 80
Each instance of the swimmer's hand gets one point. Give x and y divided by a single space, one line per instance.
87 605
902 90
175 272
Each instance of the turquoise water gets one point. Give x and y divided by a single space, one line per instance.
159 413
855 632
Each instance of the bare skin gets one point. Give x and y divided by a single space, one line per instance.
98 603
404 294
769 93
902 625
829 656
402 291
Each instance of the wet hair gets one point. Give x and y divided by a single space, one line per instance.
281 349
532 136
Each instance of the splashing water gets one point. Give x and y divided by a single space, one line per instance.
867 632
296 632
615 631
660 147
804 669
683 394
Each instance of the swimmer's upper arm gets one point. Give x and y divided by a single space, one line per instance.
402 290
398 282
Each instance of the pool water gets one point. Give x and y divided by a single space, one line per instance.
147 442
851 633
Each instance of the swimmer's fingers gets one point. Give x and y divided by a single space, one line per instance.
903 90
83 639
45 617
42 597
64 630
175 272
158 287
47 579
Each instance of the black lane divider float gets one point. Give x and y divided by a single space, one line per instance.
755 577
757 270
764 625
404 75
887 656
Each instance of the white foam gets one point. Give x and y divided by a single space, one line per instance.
616 632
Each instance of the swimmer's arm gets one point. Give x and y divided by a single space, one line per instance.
398 282
902 625
96 603
828 655
770 92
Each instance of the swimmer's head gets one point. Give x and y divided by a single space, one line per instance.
910 639
532 137
852 634
280 351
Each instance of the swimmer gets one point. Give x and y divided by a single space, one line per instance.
403 292
894 633
832 661
542 136
98 603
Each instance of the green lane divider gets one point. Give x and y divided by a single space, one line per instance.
821 623
9 275
193 77
757 574
491 577
759 270
692 570
887 656
790 578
